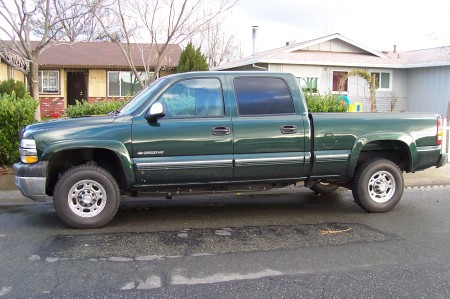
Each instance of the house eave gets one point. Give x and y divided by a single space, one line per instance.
330 63
331 37
111 66
235 64
421 65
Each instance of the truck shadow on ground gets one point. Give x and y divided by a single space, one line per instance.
160 214
229 210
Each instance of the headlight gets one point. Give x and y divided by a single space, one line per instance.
28 151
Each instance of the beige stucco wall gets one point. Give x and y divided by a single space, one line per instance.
165 73
97 83
3 71
17 75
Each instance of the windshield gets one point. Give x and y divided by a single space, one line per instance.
140 98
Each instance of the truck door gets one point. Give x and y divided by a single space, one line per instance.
269 135
192 143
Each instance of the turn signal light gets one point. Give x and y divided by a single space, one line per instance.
29 159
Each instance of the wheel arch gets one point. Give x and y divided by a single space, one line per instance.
113 157
397 147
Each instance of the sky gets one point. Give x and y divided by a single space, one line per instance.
378 25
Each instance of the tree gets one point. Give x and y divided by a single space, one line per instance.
45 19
77 23
371 82
156 24
192 60
218 45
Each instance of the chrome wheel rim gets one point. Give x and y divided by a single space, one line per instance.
87 198
381 186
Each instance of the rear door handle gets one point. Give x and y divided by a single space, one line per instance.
221 131
289 129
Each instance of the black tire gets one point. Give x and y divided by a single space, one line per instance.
86 196
322 187
378 185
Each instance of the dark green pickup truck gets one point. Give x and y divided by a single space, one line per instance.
216 132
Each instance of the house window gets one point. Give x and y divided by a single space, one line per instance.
309 84
10 72
337 79
123 84
48 81
263 96
382 80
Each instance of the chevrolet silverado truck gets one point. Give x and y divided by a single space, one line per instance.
219 132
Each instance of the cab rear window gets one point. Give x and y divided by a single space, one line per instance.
263 96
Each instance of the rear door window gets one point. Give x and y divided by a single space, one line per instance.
263 96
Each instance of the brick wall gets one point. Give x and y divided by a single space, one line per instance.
51 106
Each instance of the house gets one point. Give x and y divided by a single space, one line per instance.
7 72
416 81
91 71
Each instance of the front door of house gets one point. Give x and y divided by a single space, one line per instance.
76 87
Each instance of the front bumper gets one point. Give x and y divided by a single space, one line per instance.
31 180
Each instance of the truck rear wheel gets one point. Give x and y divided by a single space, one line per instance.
322 187
86 196
378 185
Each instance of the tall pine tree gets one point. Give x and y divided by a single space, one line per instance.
191 60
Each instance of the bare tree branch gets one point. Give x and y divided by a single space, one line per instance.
158 23
37 19
218 46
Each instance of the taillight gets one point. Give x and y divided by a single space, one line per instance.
440 131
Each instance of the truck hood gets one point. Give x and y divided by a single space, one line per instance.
80 132
68 124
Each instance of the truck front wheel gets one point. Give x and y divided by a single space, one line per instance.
86 196
378 185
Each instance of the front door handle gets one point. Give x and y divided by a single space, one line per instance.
289 129
221 131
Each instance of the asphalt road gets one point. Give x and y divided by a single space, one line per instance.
274 245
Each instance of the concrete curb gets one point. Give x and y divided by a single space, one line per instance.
429 177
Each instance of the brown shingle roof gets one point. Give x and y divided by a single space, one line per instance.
105 55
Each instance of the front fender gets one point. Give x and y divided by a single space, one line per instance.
113 145
363 140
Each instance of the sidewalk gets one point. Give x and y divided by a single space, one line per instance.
429 177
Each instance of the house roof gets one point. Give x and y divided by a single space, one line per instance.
105 55
310 53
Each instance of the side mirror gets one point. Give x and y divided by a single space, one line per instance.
156 111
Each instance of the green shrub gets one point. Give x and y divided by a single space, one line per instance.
10 86
15 113
324 103
84 108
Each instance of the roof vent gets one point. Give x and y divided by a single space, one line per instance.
254 31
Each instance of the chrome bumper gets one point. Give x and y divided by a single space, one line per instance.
31 180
